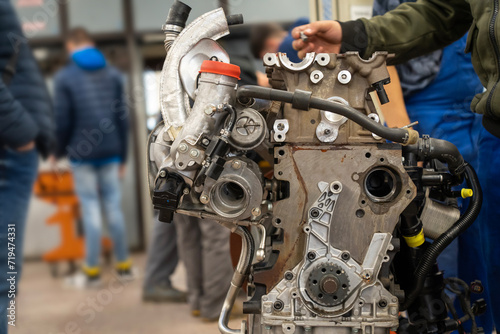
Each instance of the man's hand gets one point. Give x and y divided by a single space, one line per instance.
27 147
322 36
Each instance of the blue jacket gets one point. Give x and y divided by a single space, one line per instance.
90 109
25 107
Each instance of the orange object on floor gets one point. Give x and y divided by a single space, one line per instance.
57 188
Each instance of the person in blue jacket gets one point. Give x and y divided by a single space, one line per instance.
438 89
26 130
272 38
92 131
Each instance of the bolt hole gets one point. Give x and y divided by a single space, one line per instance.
344 286
281 152
363 202
320 295
382 159
280 136
368 154
335 297
322 58
323 270
336 187
408 191
181 164
315 282
313 121
280 173
360 213
339 272
269 58
277 221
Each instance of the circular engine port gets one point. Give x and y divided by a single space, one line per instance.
382 184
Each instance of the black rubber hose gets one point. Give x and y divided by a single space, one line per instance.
444 151
232 117
178 14
463 223
303 100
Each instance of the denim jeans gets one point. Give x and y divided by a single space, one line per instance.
18 171
99 187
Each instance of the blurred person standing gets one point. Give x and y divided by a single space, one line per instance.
92 131
204 250
162 261
26 130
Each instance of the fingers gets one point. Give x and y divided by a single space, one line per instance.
312 29
310 47
296 31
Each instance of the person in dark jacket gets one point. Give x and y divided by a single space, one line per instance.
92 129
26 130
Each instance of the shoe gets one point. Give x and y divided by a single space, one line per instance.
163 294
81 280
127 275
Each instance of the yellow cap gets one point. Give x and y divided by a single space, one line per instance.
466 193
415 240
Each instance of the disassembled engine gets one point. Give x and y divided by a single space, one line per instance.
333 240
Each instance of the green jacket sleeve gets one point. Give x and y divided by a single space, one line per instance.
415 28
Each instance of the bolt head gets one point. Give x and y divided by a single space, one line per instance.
210 109
256 212
183 148
163 173
204 199
236 164
185 191
205 141
194 153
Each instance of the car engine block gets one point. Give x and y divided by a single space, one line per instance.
333 237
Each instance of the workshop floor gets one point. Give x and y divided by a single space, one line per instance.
46 307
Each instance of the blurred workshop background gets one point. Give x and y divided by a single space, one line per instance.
128 32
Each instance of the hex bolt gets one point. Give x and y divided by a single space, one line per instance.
311 255
204 199
236 164
314 213
256 212
183 148
288 275
382 303
163 173
185 191
327 131
205 141
210 109
278 305
345 256
194 153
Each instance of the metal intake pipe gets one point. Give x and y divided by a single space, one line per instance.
173 99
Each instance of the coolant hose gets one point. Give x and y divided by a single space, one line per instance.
444 240
304 101
428 148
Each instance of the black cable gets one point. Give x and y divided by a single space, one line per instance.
432 252
304 101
